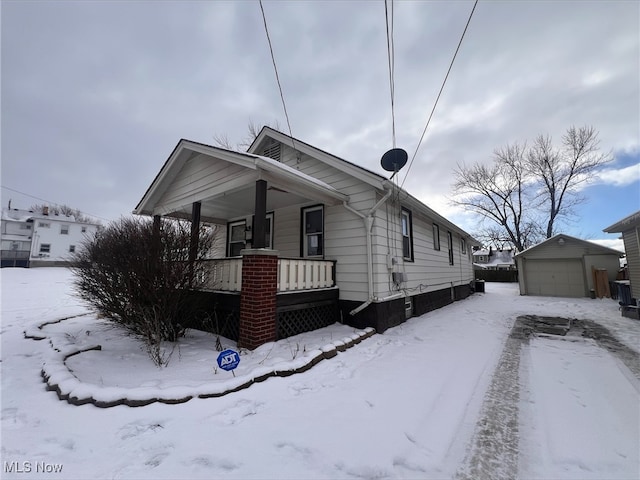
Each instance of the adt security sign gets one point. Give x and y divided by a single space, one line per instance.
228 360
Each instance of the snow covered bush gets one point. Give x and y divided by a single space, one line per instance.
140 283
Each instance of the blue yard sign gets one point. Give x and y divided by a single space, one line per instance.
228 360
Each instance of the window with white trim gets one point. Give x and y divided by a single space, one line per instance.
313 231
463 245
44 224
407 234
268 230
45 248
436 236
72 248
236 238
450 245
64 229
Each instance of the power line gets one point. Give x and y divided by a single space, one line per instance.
51 203
391 61
439 93
275 68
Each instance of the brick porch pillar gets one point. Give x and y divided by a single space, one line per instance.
258 297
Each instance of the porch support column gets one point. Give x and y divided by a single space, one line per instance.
195 230
258 297
259 220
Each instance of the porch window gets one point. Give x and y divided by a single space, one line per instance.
236 238
436 236
268 230
407 235
450 245
313 231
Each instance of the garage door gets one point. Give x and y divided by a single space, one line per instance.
555 278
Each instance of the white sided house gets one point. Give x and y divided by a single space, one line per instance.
629 228
345 244
32 239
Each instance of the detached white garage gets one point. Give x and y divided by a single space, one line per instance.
563 266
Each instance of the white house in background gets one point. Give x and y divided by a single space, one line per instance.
31 239
490 259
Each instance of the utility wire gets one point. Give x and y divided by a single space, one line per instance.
275 68
52 203
391 61
439 93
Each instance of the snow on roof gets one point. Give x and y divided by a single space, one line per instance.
624 224
18 215
283 166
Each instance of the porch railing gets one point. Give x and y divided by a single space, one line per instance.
294 274
225 274
304 274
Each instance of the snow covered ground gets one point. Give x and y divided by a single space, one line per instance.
451 394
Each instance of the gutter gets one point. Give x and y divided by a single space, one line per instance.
368 225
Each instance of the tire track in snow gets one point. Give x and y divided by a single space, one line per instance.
494 449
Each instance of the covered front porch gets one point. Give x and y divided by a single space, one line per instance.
250 280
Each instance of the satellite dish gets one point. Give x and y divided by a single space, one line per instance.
394 160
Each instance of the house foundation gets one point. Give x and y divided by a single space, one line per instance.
384 315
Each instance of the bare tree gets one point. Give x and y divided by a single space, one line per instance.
253 130
498 193
561 171
528 190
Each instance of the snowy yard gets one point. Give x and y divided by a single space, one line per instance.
455 393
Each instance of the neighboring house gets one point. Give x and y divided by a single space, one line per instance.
564 266
375 251
16 235
490 259
629 227
32 239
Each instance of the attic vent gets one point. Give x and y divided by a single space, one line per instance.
272 151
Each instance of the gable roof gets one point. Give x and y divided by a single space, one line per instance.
186 149
375 180
594 248
625 224
350 168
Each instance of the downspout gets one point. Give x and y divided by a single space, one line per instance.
368 225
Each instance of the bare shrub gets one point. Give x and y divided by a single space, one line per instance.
140 282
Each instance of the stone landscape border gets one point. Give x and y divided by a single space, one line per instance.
60 379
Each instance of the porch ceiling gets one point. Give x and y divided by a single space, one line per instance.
239 202
224 182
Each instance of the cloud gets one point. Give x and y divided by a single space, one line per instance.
620 177
95 95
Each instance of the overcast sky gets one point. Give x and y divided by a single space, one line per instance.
95 95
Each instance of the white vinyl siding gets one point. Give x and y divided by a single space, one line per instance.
631 239
431 270
199 177
344 233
